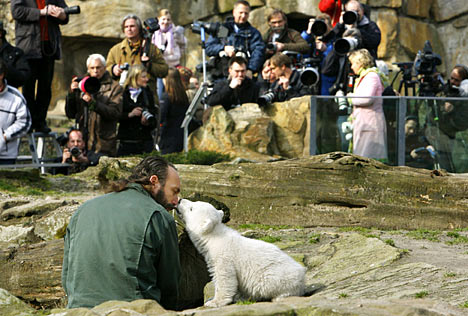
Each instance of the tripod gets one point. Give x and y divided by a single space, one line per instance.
201 93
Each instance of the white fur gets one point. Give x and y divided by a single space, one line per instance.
241 268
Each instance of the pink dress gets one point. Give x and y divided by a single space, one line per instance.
369 128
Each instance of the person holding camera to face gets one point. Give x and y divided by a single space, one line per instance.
243 39
280 37
354 16
96 107
136 48
139 114
38 35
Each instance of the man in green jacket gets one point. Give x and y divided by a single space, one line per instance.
123 245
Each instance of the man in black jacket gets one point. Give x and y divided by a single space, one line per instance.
38 34
288 85
17 65
237 89
369 30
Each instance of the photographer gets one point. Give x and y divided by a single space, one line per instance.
448 118
369 30
139 114
76 155
288 84
134 50
37 31
237 89
96 114
242 39
280 37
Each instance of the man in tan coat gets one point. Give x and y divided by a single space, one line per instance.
132 50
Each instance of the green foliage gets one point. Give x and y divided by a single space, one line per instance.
456 238
193 157
343 295
421 294
270 239
246 302
450 274
390 242
464 305
361 230
23 182
314 239
431 235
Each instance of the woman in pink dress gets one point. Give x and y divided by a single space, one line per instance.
369 128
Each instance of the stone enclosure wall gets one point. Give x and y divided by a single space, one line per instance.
405 25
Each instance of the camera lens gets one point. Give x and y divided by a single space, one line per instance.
75 151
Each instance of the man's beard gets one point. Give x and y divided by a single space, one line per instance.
161 199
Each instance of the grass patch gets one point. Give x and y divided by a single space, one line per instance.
421 294
27 182
431 235
314 238
464 305
270 239
266 227
246 302
456 238
390 242
450 274
343 295
361 230
193 157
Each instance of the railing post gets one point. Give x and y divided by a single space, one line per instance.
313 126
401 145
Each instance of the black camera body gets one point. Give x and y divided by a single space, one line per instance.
271 46
125 66
426 60
267 98
72 10
75 152
350 17
319 27
215 29
151 25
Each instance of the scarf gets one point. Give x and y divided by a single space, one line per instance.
164 39
363 72
134 93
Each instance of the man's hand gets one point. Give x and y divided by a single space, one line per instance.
66 155
279 47
116 70
235 82
249 73
321 46
448 107
135 112
86 97
284 82
144 58
56 12
309 26
229 50
144 121
74 84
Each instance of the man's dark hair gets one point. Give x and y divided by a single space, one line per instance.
278 12
137 22
462 71
280 59
237 59
152 165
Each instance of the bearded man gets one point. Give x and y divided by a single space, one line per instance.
123 245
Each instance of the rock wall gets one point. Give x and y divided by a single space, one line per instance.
405 25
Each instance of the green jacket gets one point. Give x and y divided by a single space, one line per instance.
121 246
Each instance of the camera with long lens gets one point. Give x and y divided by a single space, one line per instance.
345 45
215 29
148 116
88 84
310 75
151 25
72 10
350 17
75 152
319 27
125 66
425 67
267 98
271 46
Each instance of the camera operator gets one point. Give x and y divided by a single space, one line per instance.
369 30
17 65
38 34
288 84
242 39
280 37
76 155
237 89
133 50
448 118
96 114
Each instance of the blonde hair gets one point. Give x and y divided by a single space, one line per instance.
362 57
133 73
163 12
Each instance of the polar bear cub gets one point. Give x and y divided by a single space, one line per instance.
241 268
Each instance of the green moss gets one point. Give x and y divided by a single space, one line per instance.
343 295
390 242
314 238
431 235
421 294
456 238
193 157
246 302
464 305
271 239
24 182
450 274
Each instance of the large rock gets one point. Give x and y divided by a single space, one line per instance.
418 8
12 306
444 10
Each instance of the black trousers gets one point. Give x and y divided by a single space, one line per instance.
38 99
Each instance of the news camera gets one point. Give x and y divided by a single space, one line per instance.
215 29
425 67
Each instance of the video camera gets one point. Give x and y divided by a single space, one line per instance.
151 25
425 66
215 29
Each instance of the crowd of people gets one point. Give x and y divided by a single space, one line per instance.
142 89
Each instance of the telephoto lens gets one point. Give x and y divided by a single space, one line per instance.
72 10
